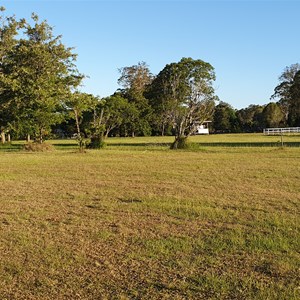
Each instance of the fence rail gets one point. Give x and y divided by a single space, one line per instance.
280 131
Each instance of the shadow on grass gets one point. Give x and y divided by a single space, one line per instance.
65 146
139 144
10 147
247 144
14 147
214 144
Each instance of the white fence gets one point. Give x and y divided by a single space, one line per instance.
280 131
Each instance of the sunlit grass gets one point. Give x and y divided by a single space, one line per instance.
150 223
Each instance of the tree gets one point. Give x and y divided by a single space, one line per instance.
111 112
8 31
272 115
76 105
161 104
38 73
286 97
225 119
184 91
294 104
135 80
250 118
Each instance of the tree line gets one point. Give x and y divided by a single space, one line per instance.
283 111
40 95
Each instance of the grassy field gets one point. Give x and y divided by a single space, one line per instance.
139 221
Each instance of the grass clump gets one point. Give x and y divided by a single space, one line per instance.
36 147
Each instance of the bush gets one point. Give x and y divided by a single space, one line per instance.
36 147
181 143
96 143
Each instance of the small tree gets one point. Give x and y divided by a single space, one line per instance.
114 112
76 105
108 114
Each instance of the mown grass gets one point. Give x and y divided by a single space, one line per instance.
150 223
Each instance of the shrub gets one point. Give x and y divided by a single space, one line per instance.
181 143
36 147
96 143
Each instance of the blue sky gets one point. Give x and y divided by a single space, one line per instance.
249 43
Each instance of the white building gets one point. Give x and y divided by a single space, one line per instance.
203 128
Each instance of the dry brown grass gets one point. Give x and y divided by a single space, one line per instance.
36 147
215 224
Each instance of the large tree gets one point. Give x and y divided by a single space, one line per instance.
285 93
294 105
135 80
184 93
39 72
9 27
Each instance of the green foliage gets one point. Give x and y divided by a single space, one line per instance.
135 80
225 118
287 92
97 142
115 111
37 73
272 115
294 112
76 105
183 91
250 118
180 142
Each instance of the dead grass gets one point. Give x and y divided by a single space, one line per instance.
114 224
36 147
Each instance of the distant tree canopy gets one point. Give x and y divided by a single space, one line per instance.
272 115
250 118
225 119
287 93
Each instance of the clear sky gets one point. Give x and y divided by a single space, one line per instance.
249 43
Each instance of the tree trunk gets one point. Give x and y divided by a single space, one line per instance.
163 130
180 142
8 138
41 137
79 137
77 123
28 138
3 140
